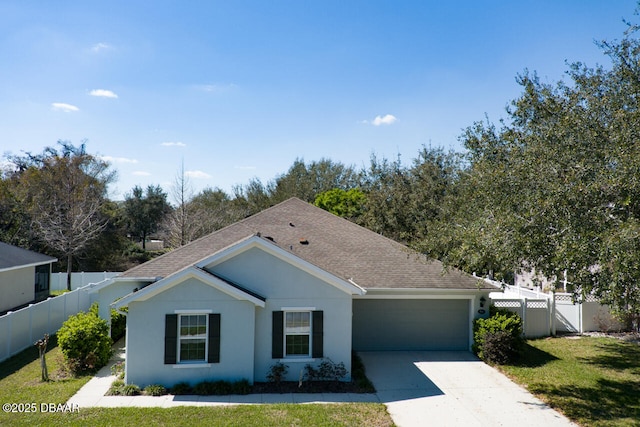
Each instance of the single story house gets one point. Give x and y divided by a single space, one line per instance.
24 276
292 284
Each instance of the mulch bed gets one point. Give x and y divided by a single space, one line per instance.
309 387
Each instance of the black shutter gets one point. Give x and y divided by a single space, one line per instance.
317 334
277 334
170 339
214 338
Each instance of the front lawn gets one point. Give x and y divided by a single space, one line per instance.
593 381
20 384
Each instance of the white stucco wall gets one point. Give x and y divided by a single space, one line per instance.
108 294
17 287
286 286
145 337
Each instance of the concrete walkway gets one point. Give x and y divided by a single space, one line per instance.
433 388
92 394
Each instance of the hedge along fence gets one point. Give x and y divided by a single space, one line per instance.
536 314
21 328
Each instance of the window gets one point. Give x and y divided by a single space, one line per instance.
193 338
42 281
297 332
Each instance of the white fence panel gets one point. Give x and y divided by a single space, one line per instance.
567 314
79 280
5 333
21 328
538 318
533 312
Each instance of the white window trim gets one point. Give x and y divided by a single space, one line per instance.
193 363
297 357
192 311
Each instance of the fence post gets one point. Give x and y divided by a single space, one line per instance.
524 315
552 313
10 336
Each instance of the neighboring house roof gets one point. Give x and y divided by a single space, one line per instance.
336 245
12 257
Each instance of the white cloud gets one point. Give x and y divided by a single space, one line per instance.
197 174
387 119
61 106
173 144
100 46
140 173
103 93
118 159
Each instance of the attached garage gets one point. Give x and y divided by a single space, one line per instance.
411 324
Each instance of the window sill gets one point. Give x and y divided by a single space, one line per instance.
192 365
297 360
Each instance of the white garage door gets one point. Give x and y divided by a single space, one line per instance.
432 324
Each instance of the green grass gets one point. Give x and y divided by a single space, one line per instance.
20 383
593 381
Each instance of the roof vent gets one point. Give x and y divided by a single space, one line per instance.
304 242
291 224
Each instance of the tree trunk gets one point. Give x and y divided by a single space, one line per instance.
69 262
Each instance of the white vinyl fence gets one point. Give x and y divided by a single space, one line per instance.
536 314
586 316
546 314
78 280
21 328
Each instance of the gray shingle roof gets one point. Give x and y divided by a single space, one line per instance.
334 244
14 257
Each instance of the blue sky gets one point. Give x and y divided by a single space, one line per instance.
240 89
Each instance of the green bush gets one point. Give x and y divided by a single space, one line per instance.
181 388
498 339
155 390
277 372
85 342
118 325
241 387
116 388
326 371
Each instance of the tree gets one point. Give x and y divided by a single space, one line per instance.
145 211
180 221
64 192
344 203
558 186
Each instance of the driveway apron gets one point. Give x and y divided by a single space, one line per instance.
437 388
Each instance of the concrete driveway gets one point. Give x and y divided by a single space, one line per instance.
433 388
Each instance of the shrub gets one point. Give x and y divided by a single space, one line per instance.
498 339
118 325
130 390
117 369
84 341
241 387
222 387
326 371
277 372
181 388
155 390
116 388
